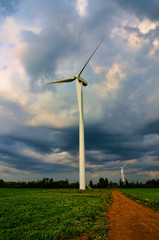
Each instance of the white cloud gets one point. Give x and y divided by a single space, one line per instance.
53 157
114 76
14 80
81 7
6 171
48 109
131 38
132 161
61 158
98 69
134 42
112 80
146 25
155 48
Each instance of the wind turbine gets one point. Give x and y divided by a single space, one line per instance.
122 172
80 82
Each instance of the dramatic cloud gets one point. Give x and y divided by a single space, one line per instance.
142 9
45 41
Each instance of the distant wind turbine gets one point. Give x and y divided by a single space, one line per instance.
80 82
122 172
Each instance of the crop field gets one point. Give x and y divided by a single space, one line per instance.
146 196
53 214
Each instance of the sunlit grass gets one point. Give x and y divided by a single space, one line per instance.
53 214
147 196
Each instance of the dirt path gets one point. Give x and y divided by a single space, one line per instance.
131 221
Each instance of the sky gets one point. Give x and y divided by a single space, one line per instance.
43 41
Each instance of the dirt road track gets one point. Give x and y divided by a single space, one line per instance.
131 221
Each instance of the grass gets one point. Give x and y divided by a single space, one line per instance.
53 214
146 196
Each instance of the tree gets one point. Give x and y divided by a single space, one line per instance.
106 182
2 183
121 183
102 183
126 183
91 183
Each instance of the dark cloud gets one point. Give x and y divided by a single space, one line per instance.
42 52
68 37
142 9
102 148
151 128
8 7
32 165
41 139
127 126
111 146
15 157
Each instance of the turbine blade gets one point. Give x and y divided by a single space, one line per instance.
63 80
90 57
125 164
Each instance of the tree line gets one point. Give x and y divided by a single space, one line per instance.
102 183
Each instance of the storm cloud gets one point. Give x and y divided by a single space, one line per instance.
45 41
142 9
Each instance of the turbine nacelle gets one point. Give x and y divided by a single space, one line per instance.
80 79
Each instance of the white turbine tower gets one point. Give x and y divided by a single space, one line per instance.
122 172
80 82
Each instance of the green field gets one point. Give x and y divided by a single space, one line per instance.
53 214
146 196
